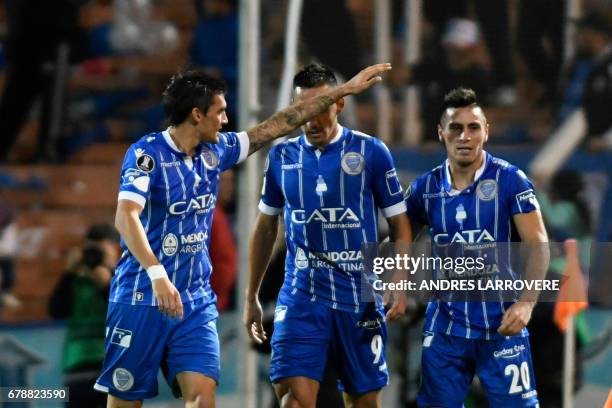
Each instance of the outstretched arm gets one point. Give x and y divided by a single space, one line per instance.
289 119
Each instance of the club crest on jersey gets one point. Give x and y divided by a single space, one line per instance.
123 380
211 160
486 190
145 162
170 244
353 163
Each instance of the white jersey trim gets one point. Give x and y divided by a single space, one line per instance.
394 209
99 387
268 210
479 172
169 141
336 138
245 142
128 195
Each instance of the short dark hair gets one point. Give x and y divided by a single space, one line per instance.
313 76
101 232
459 98
187 90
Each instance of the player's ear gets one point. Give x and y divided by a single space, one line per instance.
486 135
440 133
339 105
196 115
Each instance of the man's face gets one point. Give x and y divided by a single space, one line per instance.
211 122
589 42
464 131
321 129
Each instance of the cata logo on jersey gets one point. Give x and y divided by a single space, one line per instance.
201 204
333 217
475 236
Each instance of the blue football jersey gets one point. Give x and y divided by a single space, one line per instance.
178 194
479 214
330 201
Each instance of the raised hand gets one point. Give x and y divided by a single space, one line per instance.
366 78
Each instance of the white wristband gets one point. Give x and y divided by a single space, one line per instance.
156 272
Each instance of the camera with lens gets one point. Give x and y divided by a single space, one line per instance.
92 255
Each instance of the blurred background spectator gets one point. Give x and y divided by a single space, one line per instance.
214 48
494 21
8 253
223 252
514 53
461 64
42 38
81 297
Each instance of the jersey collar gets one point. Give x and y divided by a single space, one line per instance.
170 142
332 143
174 148
447 181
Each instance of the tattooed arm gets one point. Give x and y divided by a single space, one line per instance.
289 119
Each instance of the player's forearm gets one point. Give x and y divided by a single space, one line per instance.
538 259
291 118
260 251
534 248
399 228
129 226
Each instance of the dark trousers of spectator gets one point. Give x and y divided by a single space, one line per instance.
80 389
36 28
493 19
26 81
540 40
7 279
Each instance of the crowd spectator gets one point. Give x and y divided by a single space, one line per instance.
461 65
36 30
494 20
8 252
214 48
223 251
81 297
540 42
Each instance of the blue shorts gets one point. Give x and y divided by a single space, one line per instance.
503 367
140 340
305 332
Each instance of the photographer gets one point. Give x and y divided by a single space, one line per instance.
81 297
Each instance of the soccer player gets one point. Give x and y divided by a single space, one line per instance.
330 182
475 198
167 195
